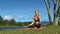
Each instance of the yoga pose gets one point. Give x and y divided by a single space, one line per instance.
36 23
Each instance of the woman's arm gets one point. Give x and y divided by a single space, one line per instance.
31 23
40 18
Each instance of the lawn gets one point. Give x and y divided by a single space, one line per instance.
48 30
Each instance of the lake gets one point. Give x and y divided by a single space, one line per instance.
16 27
11 28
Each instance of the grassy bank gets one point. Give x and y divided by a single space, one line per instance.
48 30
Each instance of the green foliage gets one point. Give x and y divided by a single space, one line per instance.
5 22
59 0
20 24
26 23
1 20
12 22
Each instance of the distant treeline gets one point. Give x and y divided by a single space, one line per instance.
12 22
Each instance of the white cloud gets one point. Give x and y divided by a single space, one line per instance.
20 16
8 17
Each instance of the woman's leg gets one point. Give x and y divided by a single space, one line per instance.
31 26
38 26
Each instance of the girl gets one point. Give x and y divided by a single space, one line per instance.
36 23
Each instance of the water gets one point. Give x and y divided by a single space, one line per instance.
12 28
9 28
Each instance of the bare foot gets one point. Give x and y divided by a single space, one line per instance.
26 28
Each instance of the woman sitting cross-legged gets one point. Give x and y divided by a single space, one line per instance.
36 23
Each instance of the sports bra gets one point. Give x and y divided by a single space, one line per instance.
36 19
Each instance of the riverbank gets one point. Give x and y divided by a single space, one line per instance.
48 30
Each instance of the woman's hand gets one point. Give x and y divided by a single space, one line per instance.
29 25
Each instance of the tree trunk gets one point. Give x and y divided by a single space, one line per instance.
56 15
56 12
49 16
47 3
56 19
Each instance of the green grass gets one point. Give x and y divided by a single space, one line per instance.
48 30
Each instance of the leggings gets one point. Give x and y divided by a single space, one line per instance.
38 26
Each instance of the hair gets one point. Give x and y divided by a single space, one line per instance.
37 11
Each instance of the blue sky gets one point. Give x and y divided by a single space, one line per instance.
22 10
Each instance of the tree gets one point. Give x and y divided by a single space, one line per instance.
59 7
26 23
20 24
55 11
47 3
5 22
12 22
1 20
